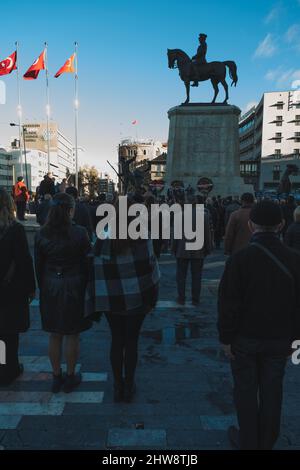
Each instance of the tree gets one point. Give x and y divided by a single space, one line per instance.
88 181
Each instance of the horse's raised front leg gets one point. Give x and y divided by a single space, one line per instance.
224 83
216 88
187 86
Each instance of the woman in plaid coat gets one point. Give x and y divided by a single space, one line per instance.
126 280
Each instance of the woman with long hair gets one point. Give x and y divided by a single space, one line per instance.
61 250
127 277
17 287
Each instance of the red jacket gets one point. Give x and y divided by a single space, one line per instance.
20 192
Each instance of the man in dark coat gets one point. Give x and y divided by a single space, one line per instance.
82 214
259 318
43 209
200 57
47 186
17 287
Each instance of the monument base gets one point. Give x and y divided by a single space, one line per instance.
204 142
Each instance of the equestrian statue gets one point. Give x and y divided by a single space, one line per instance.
198 69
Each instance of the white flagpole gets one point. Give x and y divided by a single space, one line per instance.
48 104
19 110
76 106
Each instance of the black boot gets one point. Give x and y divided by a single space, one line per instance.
129 391
71 382
57 383
118 391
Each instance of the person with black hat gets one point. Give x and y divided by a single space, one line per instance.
200 57
258 319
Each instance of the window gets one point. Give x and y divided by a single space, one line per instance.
297 137
278 137
278 118
279 106
277 152
276 172
297 120
297 153
145 152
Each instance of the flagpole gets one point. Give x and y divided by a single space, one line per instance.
48 105
76 105
19 109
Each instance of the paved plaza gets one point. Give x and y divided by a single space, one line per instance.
184 398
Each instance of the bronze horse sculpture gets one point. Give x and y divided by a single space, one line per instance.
213 71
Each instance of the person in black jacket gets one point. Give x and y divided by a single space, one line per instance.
17 287
47 186
61 249
43 209
259 317
292 235
82 214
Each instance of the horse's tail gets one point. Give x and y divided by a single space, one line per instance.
232 71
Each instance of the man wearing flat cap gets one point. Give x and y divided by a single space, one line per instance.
200 57
258 320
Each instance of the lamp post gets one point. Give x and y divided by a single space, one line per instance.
13 124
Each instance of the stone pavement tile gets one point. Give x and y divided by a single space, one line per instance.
15 409
191 440
77 397
135 438
130 420
9 422
27 397
44 437
218 422
94 376
159 410
164 304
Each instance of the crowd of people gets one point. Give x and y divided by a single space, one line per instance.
258 303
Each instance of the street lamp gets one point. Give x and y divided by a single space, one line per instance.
13 124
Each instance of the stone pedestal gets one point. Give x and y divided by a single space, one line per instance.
204 142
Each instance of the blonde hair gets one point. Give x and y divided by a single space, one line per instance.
7 210
297 214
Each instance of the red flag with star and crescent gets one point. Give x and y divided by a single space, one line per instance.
33 71
9 64
68 67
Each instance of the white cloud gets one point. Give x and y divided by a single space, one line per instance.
283 78
273 14
295 84
267 47
292 34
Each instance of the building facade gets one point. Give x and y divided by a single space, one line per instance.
7 178
106 184
270 140
62 159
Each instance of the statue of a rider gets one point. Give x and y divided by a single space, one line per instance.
200 58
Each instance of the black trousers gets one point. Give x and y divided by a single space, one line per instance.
21 209
196 272
125 332
258 372
10 370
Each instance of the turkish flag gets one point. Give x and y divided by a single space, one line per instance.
68 67
9 64
33 72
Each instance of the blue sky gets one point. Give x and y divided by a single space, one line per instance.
123 73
